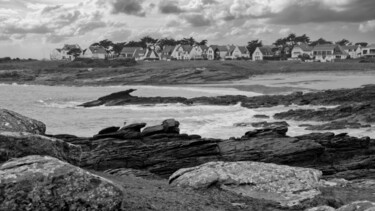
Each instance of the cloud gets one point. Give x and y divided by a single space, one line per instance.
197 20
119 35
323 11
367 26
170 7
36 29
284 31
129 7
49 9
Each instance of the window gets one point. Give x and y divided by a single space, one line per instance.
364 52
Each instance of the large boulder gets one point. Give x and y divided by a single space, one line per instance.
46 183
20 144
12 121
289 186
169 126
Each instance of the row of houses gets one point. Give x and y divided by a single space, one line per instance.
322 53
186 52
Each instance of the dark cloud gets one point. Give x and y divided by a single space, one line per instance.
129 7
197 20
4 37
68 18
317 12
170 7
209 2
49 9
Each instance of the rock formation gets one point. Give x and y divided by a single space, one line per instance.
289 186
46 183
14 122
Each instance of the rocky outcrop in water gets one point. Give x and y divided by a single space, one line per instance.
329 97
14 122
20 144
289 186
46 183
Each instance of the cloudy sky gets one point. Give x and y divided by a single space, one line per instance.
32 28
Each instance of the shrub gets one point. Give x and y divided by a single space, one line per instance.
87 63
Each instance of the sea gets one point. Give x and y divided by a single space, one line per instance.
57 106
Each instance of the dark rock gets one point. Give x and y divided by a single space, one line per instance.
14 122
269 132
109 130
171 126
20 144
337 125
261 116
123 172
121 134
134 127
270 124
149 131
46 183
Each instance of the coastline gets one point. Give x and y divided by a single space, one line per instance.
162 73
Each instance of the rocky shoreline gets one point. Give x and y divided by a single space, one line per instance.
126 168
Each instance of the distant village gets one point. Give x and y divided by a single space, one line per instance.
292 47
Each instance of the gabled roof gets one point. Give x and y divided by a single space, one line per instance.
149 52
204 47
304 47
187 48
129 50
139 52
168 49
222 48
97 49
339 51
243 49
326 47
266 50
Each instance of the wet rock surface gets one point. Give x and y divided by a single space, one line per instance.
14 122
289 186
46 183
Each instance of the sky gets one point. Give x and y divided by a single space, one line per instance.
32 28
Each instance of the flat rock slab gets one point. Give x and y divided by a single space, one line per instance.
46 183
12 121
289 186
20 144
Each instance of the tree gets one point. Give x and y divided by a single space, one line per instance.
117 47
343 42
75 52
134 44
252 46
145 41
203 42
304 57
320 41
302 39
187 41
166 41
107 44
362 44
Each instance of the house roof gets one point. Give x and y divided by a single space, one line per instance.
168 49
97 49
243 49
149 52
129 50
187 48
305 47
371 46
266 50
204 47
222 48
327 47
139 52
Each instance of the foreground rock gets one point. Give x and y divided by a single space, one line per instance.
46 183
14 122
289 186
20 144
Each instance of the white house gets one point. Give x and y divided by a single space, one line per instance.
329 52
354 51
238 52
166 52
262 53
129 52
151 54
62 53
211 52
299 50
222 52
182 52
369 51
94 52
196 52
